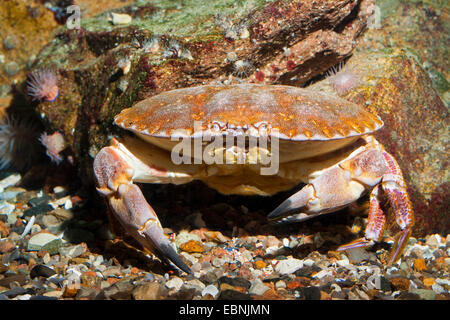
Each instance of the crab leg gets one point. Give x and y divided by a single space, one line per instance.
375 226
335 187
114 173
395 188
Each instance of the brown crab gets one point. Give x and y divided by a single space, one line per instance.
252 139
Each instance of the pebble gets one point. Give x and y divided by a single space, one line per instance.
425 294
11 193
357 255
53 294
147 291
185 236
434 241
257 288
120 18
72 251
9 181
42 271
192 246
211 290
174 283
6 246
44 241
288 266
195 284
420 264
5 210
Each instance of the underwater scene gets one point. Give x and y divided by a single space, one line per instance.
252 150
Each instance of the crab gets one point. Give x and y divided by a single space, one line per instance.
252 139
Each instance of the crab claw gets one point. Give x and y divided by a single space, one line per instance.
114 179
285 212
140 220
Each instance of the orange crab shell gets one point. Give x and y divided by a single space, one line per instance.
297 114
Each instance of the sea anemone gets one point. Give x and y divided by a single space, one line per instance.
241 68
18 143
53 144
343 79
43 85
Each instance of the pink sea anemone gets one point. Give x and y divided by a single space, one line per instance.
43 85
343 79
54 144
18 143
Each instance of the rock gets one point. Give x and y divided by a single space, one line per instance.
310 293
235 282
420 264
394 85
211 290
147 291
13 292
72 251
39 201
257 287
63 214
86 293
174 283
41 271
233 295
434 241
6 246
288 266
10 193
6 209
71 290
184 237
192 246
111 272
120 19
53 294
357 255
400 283
91 279
51 222
44 241
19 278
38 209
121 290
260 264
194 284
425 294
9 181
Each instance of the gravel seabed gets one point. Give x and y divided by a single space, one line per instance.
52 248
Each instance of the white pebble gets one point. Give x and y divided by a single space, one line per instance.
28 227
288 266
321 274
174 283
210 289
308 262
9 181
257 287
437 288
120 18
